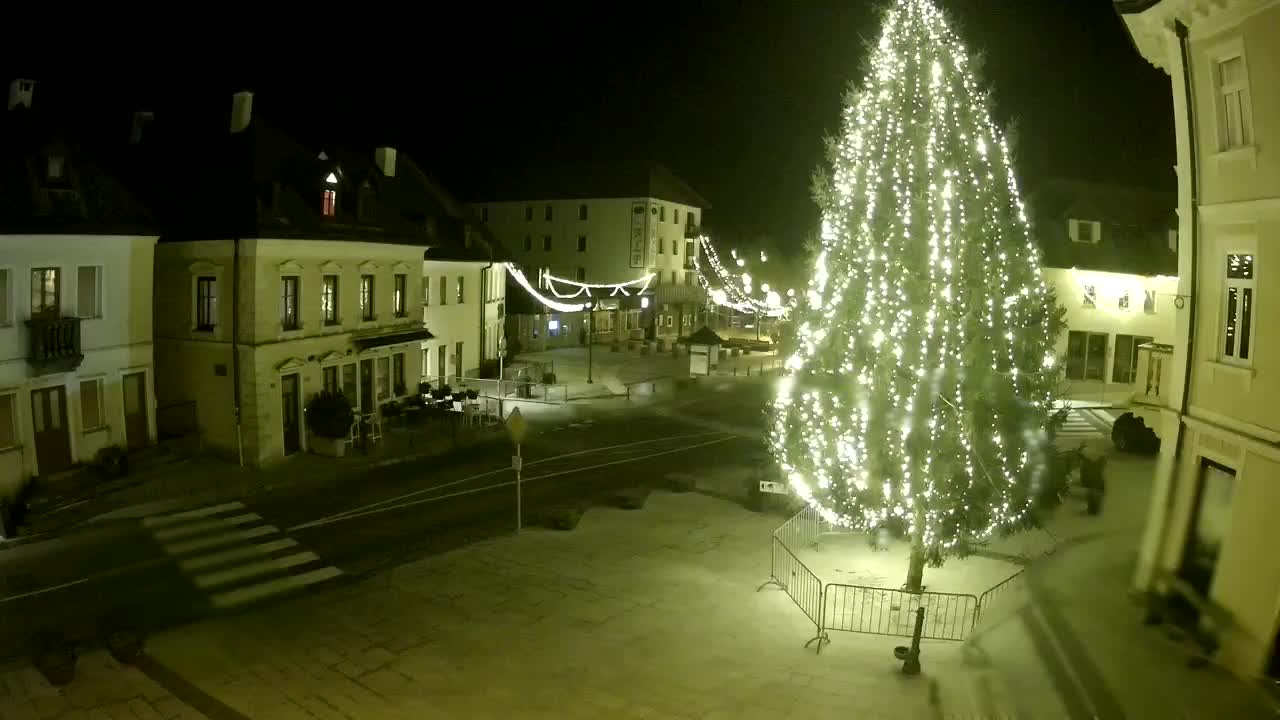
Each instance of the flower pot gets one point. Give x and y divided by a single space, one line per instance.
125 646
328 447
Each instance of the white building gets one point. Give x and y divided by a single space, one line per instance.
310 277
463 301
601 226
1110 253
1211 528
75 305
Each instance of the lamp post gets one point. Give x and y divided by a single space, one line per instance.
502 356
591 329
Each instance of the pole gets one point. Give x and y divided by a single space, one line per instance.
519 500
501 395
591 329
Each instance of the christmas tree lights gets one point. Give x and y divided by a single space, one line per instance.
918 397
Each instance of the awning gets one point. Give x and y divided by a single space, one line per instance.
391 338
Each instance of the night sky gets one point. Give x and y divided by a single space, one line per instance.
735 97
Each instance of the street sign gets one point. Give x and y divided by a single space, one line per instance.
516 462
777 488
516 426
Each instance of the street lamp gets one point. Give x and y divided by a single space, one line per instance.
591 329
502 355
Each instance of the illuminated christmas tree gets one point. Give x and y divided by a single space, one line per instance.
919 397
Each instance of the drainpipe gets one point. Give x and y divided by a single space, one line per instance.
484 303
235 346
1189 353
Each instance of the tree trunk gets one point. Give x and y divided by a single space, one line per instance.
915 572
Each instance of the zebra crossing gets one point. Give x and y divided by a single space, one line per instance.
1084 425
234 557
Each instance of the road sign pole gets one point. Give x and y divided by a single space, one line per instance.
519 511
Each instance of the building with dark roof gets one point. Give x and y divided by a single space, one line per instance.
1110 253
599 223
286 270
75 299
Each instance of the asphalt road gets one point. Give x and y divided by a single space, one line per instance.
118 573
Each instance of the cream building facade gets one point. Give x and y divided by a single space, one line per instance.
1211 529
76 372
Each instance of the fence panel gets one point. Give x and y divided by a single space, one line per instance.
802 529
881 611
999 595
800 584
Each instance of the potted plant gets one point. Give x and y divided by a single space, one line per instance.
329 419
55 658
548 378
473 394
424 388
399 389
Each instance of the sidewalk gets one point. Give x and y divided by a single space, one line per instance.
103 688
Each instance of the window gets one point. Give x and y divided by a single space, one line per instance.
1211 522
8 421
1089 297
457 362
546 243
329 299
444 290
459 294
661 244
349 384
54 168
688 253
289 302
582 212
528 213
91 415
1084 231
1234 129
582 243
582 274
366 297
675 215
528 243
6 303
398 299
1238 309
688 278
329 377
546 213
426 290
675 247
329 203
367 206
46 290
484 214
673 277
1086 355
662 213
1149 302
692 220
206 303
1123 302
384 377
397 373
1124 369
88 292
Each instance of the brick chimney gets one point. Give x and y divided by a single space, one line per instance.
385 157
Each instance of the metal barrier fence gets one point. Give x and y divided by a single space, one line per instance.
998 594
801 529
881 611
515 389
800 584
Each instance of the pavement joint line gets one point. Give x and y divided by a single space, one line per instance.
353 515
502 469
42 591
186 691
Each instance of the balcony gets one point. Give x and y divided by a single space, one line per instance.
1152 381
55 344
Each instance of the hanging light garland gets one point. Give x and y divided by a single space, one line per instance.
589 291
734 289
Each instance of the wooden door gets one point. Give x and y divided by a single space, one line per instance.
366 386
49 423
135 410
289 413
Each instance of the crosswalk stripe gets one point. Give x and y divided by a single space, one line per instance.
254 569
214 541
161 520
285 583
200 526
202 562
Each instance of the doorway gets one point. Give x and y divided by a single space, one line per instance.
289 413
49 423
135 410
1125 366
366 386
1209 524
440 365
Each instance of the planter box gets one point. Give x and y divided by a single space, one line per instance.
615 346
328 447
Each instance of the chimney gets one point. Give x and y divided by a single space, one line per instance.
241 111
140 122
20 93
385 157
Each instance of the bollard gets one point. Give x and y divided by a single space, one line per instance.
910 657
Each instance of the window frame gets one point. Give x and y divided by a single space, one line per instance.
329 203
368 297
1095 231
548 214
400 295
6 296
290 322
444 290
459 290
1243 339
330 297
206 306
582 211
15 441
99 397
1218 56
528 243
582 243
44 309
546 243
96 271
528 213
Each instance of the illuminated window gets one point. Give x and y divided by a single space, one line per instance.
1089 297
329 299
46 290
399 299
366 297
460 295
1123 302
54 169
289 302
329 203
1084 231
1237 323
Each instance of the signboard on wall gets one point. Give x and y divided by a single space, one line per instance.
652 225
639 221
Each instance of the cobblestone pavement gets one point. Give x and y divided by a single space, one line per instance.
103 690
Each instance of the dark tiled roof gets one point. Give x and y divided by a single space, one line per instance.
587 180
1135 226
1127 7
704 336
87 200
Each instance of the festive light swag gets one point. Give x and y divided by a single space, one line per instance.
733 290
918 398
583 290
